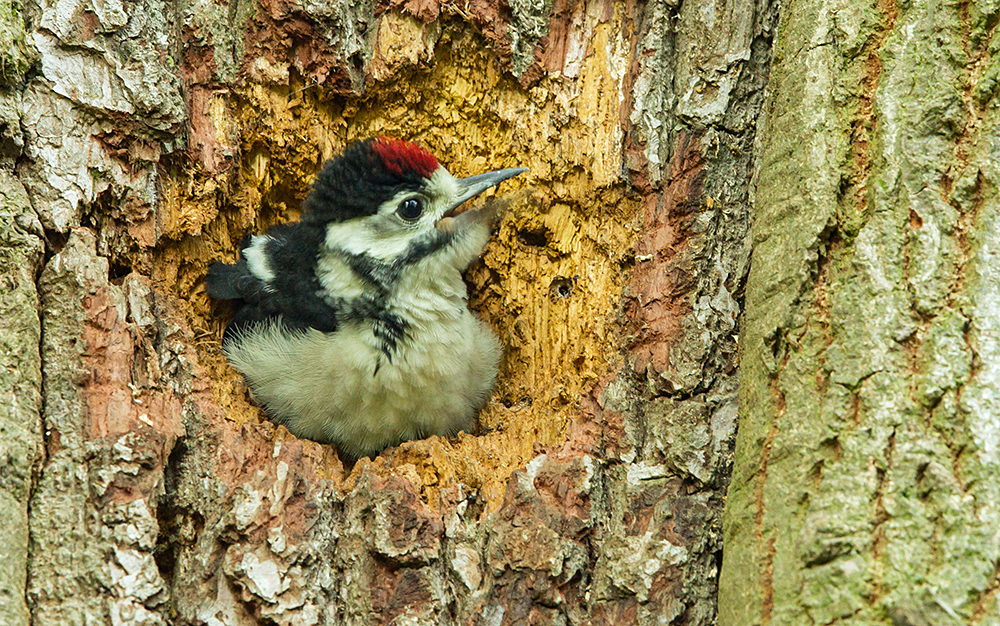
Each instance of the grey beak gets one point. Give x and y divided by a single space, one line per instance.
474 185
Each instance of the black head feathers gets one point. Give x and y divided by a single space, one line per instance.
367 174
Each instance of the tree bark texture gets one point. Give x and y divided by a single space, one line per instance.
141 140
864 489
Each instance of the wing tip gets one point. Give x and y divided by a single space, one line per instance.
222 281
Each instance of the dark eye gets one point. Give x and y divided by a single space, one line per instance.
410 209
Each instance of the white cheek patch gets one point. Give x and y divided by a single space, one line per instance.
337 279
351 236
257 261
360 236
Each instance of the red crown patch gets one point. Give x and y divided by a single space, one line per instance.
402 156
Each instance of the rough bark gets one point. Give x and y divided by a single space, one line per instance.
864 487
150 137
20 389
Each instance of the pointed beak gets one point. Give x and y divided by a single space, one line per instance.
474 185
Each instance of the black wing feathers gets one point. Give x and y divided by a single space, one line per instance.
232 282
291 296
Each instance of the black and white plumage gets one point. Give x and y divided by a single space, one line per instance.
351 325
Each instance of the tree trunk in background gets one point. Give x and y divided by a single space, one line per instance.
865 484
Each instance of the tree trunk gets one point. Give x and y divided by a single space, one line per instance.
140 141
864 487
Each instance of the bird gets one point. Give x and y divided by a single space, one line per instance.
351 325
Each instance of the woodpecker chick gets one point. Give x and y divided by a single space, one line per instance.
351 325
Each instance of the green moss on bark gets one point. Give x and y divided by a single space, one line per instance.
868 425
20 394
16 54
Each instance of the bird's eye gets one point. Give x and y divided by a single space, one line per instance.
410 209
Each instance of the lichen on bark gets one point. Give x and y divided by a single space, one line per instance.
20 389
16 55
865 433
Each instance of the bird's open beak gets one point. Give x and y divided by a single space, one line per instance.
474 185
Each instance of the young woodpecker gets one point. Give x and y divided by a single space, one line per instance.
351 325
